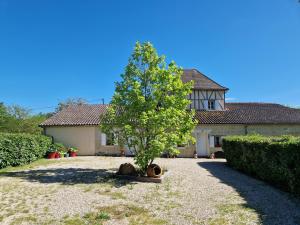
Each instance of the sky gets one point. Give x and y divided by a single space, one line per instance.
51 50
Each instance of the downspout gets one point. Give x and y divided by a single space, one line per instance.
246 130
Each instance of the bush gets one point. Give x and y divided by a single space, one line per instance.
20 149
272 159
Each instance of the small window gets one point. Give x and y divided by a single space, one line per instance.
218 141
211 105
110 139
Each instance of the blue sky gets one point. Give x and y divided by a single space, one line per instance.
51 50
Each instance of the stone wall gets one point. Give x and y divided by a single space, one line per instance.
267 130
187 152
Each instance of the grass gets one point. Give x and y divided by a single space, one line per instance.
28 219
40 162
235 214
133 214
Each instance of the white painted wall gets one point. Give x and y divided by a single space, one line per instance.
81 137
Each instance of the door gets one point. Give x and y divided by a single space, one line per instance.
202 144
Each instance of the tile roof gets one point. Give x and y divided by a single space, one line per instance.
235 113
200 80
77 115
250 113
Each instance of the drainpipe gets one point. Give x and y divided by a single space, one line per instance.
246 129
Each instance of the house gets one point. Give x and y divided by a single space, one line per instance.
78 125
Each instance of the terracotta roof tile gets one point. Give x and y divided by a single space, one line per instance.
76 115
250 113
235 113
200 80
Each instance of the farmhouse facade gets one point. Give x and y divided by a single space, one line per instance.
78 125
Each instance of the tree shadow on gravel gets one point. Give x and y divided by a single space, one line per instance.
70 176
272 205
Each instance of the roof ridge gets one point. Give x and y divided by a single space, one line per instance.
196 71
211 79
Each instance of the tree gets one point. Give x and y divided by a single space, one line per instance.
4 117
70 101
148 112
17 119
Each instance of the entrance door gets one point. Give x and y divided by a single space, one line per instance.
202 144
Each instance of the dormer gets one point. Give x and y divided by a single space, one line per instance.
207 94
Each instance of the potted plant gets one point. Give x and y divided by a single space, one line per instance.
51 152
73 151
60 149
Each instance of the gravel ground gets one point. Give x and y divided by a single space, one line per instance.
195 191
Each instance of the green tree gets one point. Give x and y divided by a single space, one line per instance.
70 101
148 111
17 119
4 117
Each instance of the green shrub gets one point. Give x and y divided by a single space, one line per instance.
272 159
20 149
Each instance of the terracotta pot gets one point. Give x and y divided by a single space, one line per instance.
127 169
154 170
51 155
57 155
73 154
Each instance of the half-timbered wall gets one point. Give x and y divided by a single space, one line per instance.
200 99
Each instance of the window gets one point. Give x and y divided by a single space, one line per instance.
218 141
211 105
107 139
215 141
110 139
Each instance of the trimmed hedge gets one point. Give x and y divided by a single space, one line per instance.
20 149
273 159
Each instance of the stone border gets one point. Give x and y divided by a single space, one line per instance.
144 179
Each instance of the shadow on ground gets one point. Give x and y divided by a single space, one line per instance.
70 176
272 205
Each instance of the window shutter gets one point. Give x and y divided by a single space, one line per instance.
103 139
211 141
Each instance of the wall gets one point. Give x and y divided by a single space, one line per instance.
199 99
187 152
81 137
102 149
267 130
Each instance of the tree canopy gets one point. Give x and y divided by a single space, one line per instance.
16 119
148 111
70 101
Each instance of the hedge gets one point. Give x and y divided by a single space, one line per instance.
275 160
20 149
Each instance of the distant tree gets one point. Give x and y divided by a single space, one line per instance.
17 119
18 112
70 101
148 111
4 117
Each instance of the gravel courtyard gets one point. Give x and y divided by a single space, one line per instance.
83 190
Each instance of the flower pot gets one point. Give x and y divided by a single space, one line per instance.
57 155
51 155
73 154
154 170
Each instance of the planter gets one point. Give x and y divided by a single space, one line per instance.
51 155
73 154
57 155
127 169
154 171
